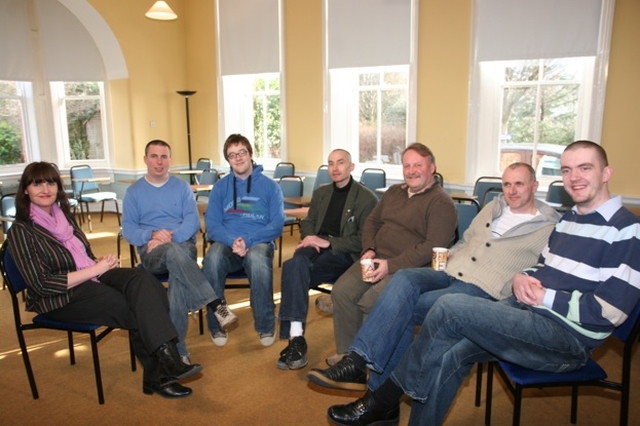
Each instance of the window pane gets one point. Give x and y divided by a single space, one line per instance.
11 125
368 126
518 114
11 132
523 71
559 113
382 116
266 117
394 125
84 120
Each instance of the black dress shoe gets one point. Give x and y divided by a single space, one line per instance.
171 364
343 375
169 390
363 412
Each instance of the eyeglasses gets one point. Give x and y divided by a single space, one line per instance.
233 155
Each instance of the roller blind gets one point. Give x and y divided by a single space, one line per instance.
249 32
525 29
364 33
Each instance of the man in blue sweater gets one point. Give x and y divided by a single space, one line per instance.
160 218
586 283
244 216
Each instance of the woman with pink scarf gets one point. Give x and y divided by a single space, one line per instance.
66 281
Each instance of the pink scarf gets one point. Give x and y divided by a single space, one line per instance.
58 225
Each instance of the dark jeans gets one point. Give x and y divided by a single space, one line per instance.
307 268
127 298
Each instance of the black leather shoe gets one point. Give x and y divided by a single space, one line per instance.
363 412
169 390
171 365
343 375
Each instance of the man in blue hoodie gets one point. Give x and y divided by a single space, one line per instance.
244 216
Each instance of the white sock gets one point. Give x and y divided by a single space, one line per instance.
295 329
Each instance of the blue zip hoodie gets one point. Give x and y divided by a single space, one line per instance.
252 208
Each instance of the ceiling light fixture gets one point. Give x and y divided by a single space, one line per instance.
161 11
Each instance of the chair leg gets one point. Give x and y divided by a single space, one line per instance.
72 352
479 384
132 354
27 365
96 367
517 405
279 248
102 212
117 212
488 401
574 404
200 322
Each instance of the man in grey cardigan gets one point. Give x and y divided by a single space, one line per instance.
506 237
331 241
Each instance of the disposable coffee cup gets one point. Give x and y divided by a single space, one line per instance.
367 266
439 259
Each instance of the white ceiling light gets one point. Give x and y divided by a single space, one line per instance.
161 11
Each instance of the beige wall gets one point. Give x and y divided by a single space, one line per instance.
167 56
620 136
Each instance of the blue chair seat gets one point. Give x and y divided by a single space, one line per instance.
523 376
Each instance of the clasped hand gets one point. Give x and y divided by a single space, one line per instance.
528 290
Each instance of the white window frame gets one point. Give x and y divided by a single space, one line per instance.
61 129
483 134
238 92
344 111
490 109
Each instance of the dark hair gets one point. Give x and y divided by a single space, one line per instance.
235 139
422 150
39 172
532 172
600 152
156 142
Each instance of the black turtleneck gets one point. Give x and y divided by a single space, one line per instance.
331 222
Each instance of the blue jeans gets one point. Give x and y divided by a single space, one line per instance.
461 330
258 264
388 331
188 290
307 268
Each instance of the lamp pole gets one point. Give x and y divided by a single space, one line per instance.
186 94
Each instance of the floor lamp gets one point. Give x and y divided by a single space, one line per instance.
186 94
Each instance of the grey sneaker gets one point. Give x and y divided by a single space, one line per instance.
267 339
294 356
224 315
220 338
324 303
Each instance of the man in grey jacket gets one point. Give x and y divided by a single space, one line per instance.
506 237
331 241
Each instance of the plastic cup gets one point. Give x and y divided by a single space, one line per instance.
367 266
439 259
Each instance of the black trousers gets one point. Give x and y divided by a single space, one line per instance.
128 298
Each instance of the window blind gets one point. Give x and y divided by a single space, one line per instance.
365 33
525 29
249 36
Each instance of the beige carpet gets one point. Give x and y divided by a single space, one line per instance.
240 383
